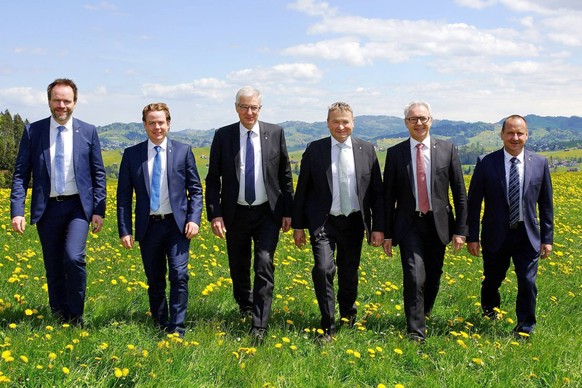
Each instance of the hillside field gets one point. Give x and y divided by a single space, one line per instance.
119 346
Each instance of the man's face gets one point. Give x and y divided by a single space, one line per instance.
414 122
340 124
514 136
62 103
248 109
156 126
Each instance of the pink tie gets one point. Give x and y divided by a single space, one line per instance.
423 204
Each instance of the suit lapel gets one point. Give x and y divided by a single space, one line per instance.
46 144
407 159
235 148
143 156
326 163
527 171
169 162
264 138
433 163
358 163
76 142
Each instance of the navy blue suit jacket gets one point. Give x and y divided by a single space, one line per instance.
489 184
313 197
184 188
445 173
222 181
34 161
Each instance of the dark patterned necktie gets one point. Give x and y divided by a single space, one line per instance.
250 170
513 192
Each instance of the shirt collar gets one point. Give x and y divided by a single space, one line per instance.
163 145
414 142
254 129
347 143
508 156
68 125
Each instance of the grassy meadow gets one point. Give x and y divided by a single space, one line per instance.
120 347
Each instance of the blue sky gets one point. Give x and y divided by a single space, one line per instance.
473 60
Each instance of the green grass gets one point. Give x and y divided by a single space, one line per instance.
120 347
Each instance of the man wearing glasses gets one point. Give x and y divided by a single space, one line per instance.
419 216
249 195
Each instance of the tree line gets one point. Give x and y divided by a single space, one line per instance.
11 128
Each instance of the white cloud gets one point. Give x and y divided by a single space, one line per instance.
313 8
211 88
286 73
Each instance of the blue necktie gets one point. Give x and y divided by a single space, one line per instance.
513 192
156 181
250 170
60 162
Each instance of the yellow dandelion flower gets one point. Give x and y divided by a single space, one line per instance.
357 355
398 385
278 345
118 373
28 312
478 361
462 343
66 370
52 356
285 339
24 359
103 346
12 326
398 351
125 371
293 347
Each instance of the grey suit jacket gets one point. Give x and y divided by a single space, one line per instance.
222 180
313 197
400 202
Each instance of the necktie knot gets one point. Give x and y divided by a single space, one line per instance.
61 128
514 160
157 148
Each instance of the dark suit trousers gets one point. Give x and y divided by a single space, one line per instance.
63 231
495 266
253 225
346 234
164 242
422 255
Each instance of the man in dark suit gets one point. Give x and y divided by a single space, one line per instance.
338 197
510 224
168 207
63 156
419 217
249 192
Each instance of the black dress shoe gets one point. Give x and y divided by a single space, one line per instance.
258 334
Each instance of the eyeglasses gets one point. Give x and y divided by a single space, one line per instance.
414 120
253 108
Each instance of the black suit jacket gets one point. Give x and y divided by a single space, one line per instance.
400 201
184 188
313 197
222 181
489 184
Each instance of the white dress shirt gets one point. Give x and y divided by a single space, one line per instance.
260 190
165 206
351 169
67 136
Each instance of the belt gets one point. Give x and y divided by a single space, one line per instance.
516 225
251 207
61 198
420 214
160 217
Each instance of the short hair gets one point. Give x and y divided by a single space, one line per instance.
513 117
247 91
339 106
62 82
412 104
153 107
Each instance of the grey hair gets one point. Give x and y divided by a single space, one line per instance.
413 104
339 106
248 91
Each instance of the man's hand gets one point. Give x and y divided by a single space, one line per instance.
286 224
299 237
218 227
96 223
388 247
473 248
127 241
191 230
18 224
545 250
457 242
377 239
